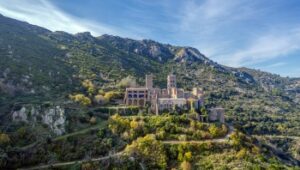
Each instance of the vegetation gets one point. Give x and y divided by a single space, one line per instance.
169 127
85 76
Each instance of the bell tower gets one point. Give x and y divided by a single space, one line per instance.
149 81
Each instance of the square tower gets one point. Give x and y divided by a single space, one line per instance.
149 81
171 81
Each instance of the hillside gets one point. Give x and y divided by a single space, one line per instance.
40 69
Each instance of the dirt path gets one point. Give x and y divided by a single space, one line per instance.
55 165
277 136
83 131
218 140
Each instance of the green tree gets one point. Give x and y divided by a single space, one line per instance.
213 130
148 150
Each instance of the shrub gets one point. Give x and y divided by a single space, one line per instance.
112 95
4 139
185 165
99 99
213 130
89 86
82 99
93 120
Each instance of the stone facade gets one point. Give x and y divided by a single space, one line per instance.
163 99
217 114
137 96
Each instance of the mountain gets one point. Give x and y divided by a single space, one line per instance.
40 69
44 66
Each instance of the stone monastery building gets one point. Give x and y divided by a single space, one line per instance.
159 100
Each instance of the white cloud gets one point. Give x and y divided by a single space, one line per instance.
238 32
207 24
269 46
274 65
45 14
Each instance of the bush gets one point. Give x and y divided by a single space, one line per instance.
4 139
99 99
112 95
213 130
81 99
93 120
88 84
185 165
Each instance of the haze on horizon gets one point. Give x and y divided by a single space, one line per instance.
258 34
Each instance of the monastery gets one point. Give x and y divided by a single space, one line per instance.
169 99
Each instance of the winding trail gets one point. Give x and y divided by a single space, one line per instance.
277 136
55 165
217 140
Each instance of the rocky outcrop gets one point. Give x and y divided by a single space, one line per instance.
53 116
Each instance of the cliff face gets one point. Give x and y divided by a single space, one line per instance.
53 117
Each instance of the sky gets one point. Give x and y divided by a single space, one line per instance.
260 34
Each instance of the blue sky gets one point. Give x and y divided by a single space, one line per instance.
261 34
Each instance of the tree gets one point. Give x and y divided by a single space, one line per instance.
4 139
99 99
237 139
88 84
213 130
111 95
93 120
188 156
118 125
204 113
148 150
81 99
128 81
134 124
242 153
185 165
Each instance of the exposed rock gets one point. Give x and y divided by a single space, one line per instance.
20 115
53 116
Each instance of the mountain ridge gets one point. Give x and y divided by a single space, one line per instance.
43 73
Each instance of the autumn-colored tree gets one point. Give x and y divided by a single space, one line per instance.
185 165
111 95
128 81
134 124
118 125
213 130
148 150
99 99
188 156
88 84
242 153
82 99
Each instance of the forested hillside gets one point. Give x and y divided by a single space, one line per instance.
44 72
